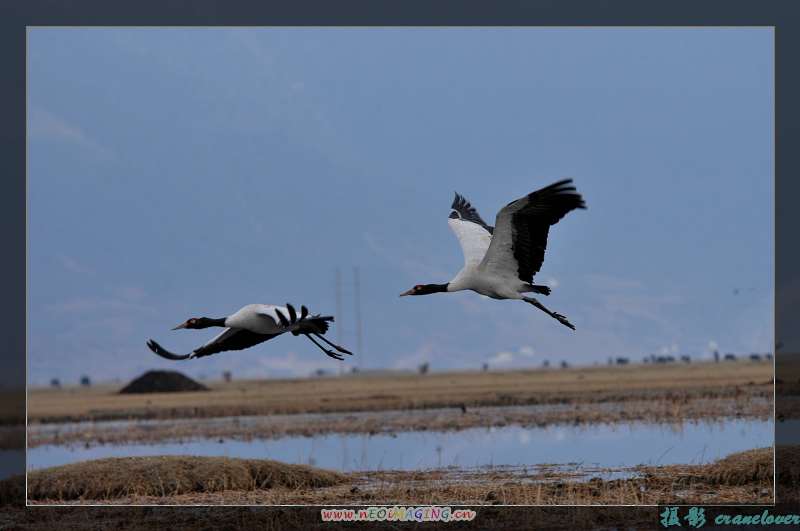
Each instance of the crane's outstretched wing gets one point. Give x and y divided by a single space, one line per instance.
228 339
286 319
472 232
520 236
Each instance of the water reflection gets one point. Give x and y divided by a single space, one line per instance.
603 445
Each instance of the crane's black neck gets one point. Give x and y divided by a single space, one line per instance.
427 289
207 322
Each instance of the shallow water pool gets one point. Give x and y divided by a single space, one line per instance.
593 445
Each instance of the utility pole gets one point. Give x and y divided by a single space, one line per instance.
357 297
339 311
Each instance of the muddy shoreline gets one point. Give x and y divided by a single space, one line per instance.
388 422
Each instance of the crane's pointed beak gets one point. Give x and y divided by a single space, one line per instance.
409 292
182 325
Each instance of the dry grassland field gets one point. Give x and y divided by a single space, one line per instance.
396 403
677 383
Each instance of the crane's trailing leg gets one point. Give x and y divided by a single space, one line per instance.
560 318
334 345
330 353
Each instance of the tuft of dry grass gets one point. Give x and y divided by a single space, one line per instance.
743 477
743 468
164 476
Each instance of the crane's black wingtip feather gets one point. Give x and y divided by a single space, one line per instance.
466 212
284 321
292 313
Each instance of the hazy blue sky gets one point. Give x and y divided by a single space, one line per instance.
186 172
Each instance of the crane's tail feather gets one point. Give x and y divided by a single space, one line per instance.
316 324
306 324
164 353
537 288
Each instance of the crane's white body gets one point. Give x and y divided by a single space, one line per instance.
259 318
495 277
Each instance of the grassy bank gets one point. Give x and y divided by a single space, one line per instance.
742 478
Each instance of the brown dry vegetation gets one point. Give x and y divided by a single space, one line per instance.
740 478
674 383
164 476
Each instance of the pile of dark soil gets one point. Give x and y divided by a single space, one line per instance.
162 382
